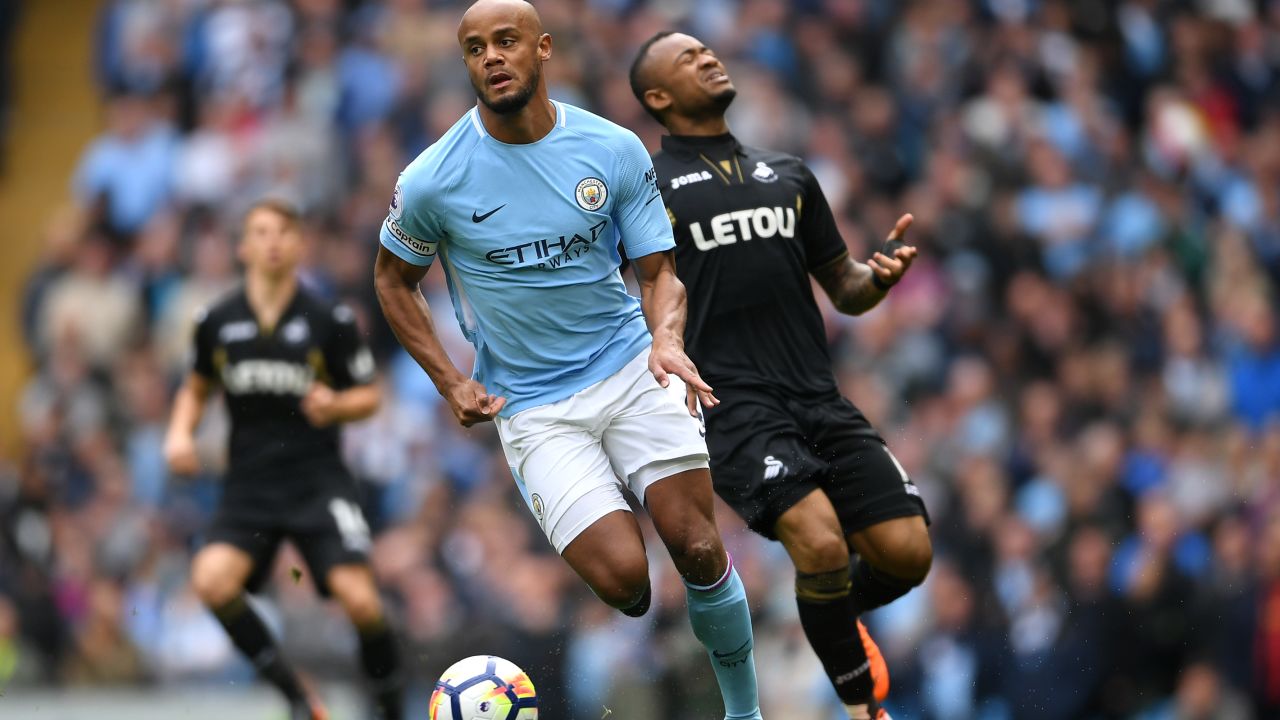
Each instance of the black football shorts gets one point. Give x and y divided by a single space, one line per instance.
326 526
769 452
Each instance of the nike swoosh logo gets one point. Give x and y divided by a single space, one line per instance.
481 218
745 646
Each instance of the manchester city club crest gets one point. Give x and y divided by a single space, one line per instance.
536 501
591 194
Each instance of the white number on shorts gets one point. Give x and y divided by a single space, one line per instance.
351 524
909 486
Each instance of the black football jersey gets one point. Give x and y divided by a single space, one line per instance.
749 225
265 372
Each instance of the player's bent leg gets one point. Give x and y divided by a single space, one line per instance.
609 555
569 485
682 511
684 515
219 572
810 531
894 556
354 587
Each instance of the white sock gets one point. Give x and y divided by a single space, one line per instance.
859 712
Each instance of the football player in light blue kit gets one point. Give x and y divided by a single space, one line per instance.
522 203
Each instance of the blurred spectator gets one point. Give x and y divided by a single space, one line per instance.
102 654
136 52
1081 372
1058 211
1255 365
92 306
126 174
20 663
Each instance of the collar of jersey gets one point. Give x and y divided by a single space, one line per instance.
689 146
478 124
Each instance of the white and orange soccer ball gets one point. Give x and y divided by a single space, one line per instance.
484 687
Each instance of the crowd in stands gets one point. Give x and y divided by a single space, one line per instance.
1081 372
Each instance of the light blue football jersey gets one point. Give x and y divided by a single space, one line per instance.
527 236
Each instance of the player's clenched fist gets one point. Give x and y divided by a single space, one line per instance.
472 404
318 405
180 454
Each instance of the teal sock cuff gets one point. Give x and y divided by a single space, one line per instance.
718 585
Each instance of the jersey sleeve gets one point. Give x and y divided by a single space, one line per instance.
348 358
639 213
411 229
203 341
818 231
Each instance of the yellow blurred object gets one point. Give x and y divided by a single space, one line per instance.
55 114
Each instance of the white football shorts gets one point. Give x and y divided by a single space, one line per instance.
571 458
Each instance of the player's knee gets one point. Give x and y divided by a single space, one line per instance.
623 584
912 559
819 552
700 559
215 587
363 607
358 597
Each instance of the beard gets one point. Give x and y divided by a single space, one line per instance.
515 101
708 107
722 101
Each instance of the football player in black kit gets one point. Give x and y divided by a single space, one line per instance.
292 368
794 458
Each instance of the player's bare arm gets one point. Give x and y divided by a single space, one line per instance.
852 285
399 293
325 406
663 300
188 408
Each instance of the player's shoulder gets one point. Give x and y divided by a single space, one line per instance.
230 305
435 166
670 165
777 159
322 309
602 130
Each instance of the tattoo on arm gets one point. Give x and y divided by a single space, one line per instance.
849 285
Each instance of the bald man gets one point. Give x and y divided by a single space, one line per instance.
524 201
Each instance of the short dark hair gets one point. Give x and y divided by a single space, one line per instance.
285 209
639 88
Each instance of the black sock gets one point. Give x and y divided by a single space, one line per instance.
873 588
830 622
380 659
250 634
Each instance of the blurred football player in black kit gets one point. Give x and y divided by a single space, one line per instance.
293 368
793 457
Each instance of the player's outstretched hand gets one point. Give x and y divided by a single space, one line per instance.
472 404
665 360
180 454
318 405
892 262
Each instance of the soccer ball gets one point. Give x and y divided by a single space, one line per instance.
484 687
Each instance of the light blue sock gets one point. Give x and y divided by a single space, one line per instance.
722 621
